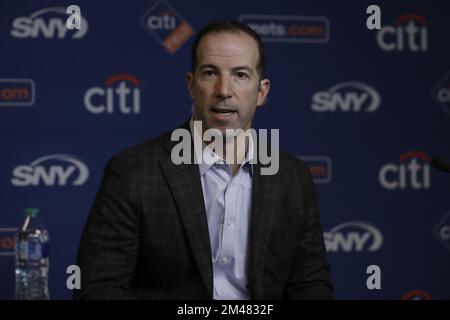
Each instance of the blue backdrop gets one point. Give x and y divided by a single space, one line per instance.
366 109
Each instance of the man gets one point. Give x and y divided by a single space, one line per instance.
211 230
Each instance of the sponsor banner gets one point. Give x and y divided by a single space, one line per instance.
122 94
7 241
350 96
17 92
409 33
353 236
48 23
167 26
411 172
51 170
289 29
320 168
416 295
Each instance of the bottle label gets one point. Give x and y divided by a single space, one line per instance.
34 250
23 250
31 249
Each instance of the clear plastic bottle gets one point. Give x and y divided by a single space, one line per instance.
32 261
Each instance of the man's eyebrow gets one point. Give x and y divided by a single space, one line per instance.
239 68
208 66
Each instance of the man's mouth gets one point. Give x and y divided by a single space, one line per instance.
224 114
223 111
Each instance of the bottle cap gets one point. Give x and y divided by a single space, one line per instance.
31 212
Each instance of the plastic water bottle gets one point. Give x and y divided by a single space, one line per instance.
32 258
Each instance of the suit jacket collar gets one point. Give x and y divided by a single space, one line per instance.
262 216
185 182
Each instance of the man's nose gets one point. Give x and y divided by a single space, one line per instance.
223 87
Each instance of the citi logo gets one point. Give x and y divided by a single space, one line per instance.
122 94
167 26
351 96
7 242
416 295
353 236
412 171
49 23
409 33
166 20
51 170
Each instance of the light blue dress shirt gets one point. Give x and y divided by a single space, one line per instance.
228 206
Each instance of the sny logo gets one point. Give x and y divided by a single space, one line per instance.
353 236
351 96
49 23
51 170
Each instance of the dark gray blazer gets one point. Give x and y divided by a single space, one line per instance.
146 236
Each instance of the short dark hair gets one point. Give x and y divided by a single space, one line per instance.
229 26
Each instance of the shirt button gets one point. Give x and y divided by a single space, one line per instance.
229 222
224 260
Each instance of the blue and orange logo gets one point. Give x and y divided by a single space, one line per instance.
167 26
289 29
320 168
7 241
17 92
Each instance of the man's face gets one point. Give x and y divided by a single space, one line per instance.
225 87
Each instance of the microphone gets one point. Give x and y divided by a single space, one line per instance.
440 164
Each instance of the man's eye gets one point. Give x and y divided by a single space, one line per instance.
242 75
208 73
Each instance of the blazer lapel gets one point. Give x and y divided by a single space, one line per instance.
262 216
185 182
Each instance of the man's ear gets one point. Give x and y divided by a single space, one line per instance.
263 91
190 83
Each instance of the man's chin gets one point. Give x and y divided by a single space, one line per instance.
221 126
230 128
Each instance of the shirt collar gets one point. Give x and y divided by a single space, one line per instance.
213 158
